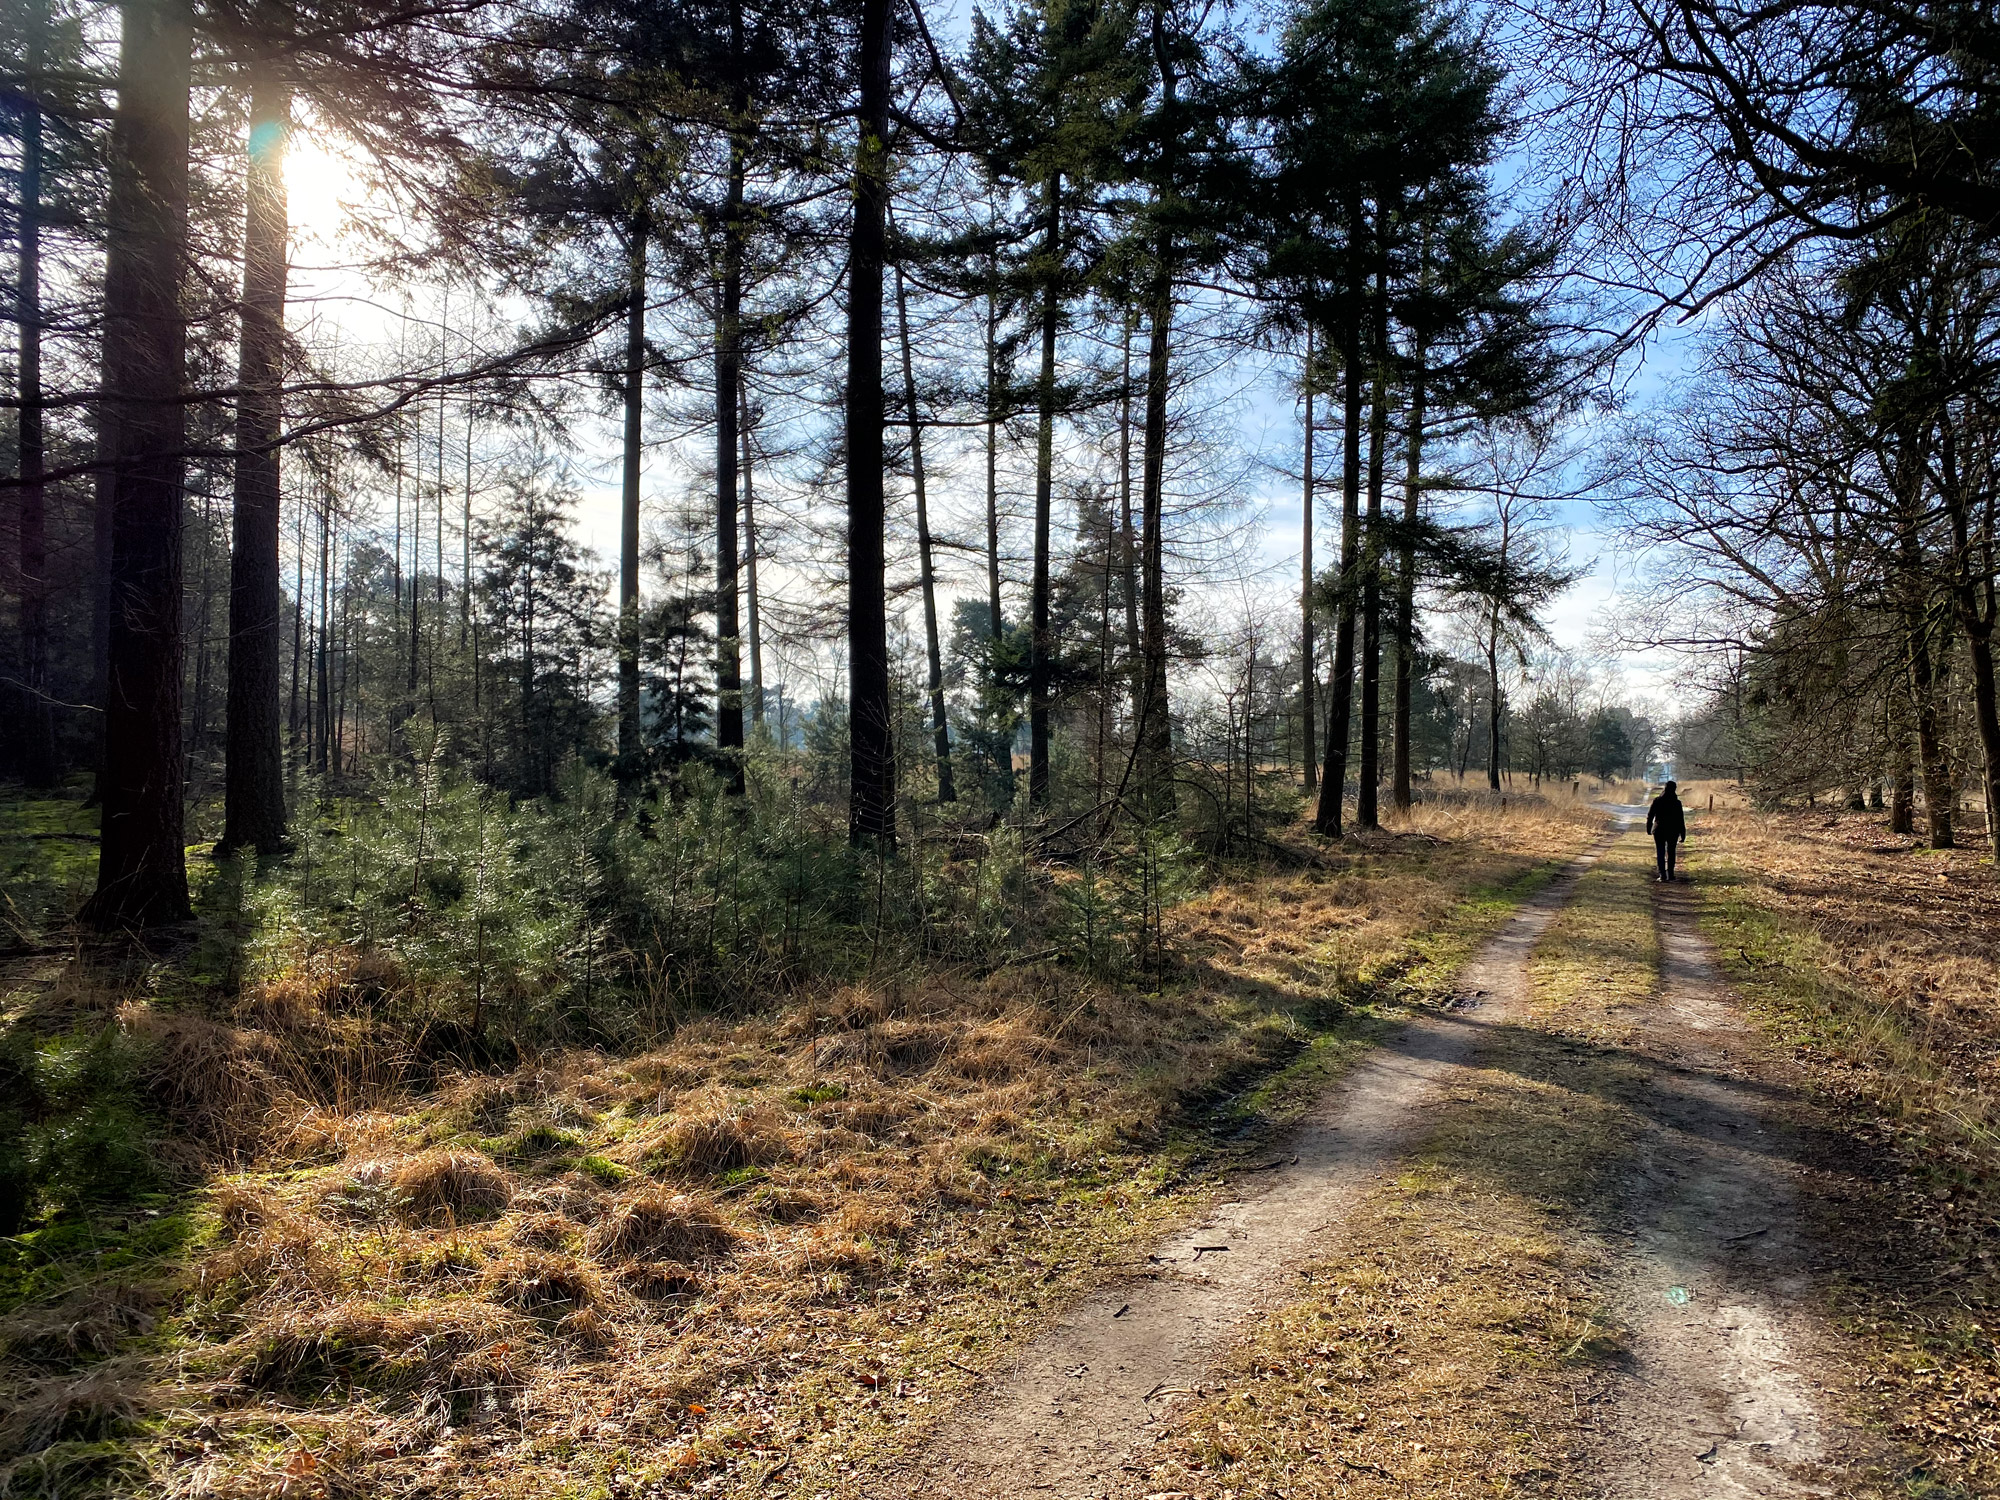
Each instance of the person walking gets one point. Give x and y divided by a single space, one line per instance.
1666 821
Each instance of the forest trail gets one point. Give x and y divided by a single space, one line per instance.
1083 1397
1717 1399
1713 1398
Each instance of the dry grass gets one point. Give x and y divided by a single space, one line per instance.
652 1225
446 1187
1904 938
1876 963
772 1239
1598 963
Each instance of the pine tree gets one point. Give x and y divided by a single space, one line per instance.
254 784
870 713
1052 89
142 871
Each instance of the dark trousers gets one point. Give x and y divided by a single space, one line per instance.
1664 849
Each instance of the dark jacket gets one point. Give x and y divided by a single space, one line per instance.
1666 819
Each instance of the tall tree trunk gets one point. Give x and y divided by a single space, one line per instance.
1045 457
197 741
322 718
1493 700
416 559
344 647
1902 787
142 871
304 737
1977 624
292 729
35 723
940 729
1973 592
1340 691
1913 584
629 729
1156 732
728 378
1919 661
1156 739
752 602
253 787
1128 535
437 533
465 546
1308 656
1406 557
1406 587
871 818
400 708
1366 813
993 451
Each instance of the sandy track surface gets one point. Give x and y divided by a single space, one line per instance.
1088 1393
1718 1399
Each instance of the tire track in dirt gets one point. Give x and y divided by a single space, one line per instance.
1718 1398
1088 1393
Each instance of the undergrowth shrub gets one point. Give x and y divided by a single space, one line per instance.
441 906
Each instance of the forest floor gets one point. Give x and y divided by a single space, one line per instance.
1475 1163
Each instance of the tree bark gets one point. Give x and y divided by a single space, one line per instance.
993 452
751 600
871 819
1978 627
1902 788
933 648
1156 730
142 871
1308 656
630 736
1978 610
1939 795
253 794
1128 534
465 549
1045 438
1366 810
1406 588
1333 781
1493 701
35 722
416 562
1406 559
728 377
1156 736
292 721
322 705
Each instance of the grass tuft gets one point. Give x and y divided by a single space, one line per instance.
455 1187
659 1226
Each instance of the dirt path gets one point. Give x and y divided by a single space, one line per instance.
1718 1399
1064 1419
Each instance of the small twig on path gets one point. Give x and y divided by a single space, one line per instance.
1368 1469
